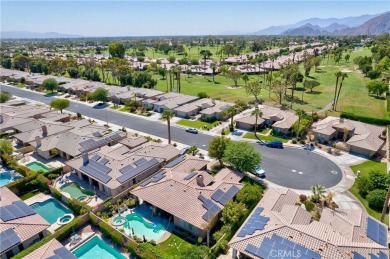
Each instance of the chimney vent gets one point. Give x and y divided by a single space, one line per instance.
44 130
85 158
38 140
199 180
1 118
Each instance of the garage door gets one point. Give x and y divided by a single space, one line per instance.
360 151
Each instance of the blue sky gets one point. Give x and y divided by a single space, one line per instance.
141 18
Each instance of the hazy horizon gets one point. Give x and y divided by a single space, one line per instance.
162 18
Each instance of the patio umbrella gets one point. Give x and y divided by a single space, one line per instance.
132 230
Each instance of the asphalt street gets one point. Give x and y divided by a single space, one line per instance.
289 167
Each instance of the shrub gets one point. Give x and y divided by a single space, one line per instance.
56 194
94 219
369 120
309 205
110 232
376 198
132 247
294 141
77 206
302 198
148 249
43 182
152 242
378 179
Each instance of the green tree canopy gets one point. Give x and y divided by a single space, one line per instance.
6 147
60 104
377 87
217 147
116 50
4 96
50 84
376 198
250 194
311 84
253 88
100 95
233 212
242 155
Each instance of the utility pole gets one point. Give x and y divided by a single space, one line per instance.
386 205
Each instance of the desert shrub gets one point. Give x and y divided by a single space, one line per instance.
302 197
376 198
309 205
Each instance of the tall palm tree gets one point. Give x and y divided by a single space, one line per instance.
178 72
213 66
168 114
231 111
300 113
257 113
343 76
338 75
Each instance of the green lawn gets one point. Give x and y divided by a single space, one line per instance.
198 124
29 195
21 86
173 246
364 169
251 135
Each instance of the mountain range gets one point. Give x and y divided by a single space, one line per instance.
374 26
35 35
327 25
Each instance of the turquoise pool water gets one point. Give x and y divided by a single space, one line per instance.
6 178
141 227
75 190
36 166
97 248
50 210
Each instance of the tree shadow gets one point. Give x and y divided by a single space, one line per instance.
314 92
295 100
312 77
51 94
217 83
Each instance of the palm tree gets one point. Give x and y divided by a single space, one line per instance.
338 75
213 66
193 150
318 192
168 114
300 113
258 113
328 199
231 111
343 76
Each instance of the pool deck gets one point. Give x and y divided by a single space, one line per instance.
52 163
149 218
84 185
41 198
88 232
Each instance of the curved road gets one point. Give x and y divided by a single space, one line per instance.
289 167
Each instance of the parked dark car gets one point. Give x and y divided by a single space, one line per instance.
274 144
192 130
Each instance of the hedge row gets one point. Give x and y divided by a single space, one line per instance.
77 206
59 235
369 120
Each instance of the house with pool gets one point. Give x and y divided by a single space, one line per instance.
53 250
279 228
187 194
20 225
114 169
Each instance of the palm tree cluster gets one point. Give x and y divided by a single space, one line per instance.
338 87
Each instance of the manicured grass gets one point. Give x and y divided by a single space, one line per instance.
116 107
124 109
174 246
29 195
364 169
251 135
197 124
21 86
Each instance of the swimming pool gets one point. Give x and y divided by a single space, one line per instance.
97 248
6 178
151 230
75 191
50 210
36 166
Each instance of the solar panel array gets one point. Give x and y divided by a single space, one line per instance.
96 157
222 197
62 253
90 144
381 255
190 176
18 209
211 207
97 170
140 161
154 179
356 255
103 161
8 239
281 248
175 162
126 169
376 231
255 222
128 174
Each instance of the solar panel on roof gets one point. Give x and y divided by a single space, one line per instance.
96 157
217 195
382 255
356 255
8 239
376 231
154 179
17 209
126 169
255 222
175 162
372 256
138 170
140 161
190 176
96 174
103 161
64 253
223 197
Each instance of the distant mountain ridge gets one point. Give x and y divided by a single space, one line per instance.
377 25
323 23
35 35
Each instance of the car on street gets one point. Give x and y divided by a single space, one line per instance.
237 133
258 171
184 150
274 144
192 130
